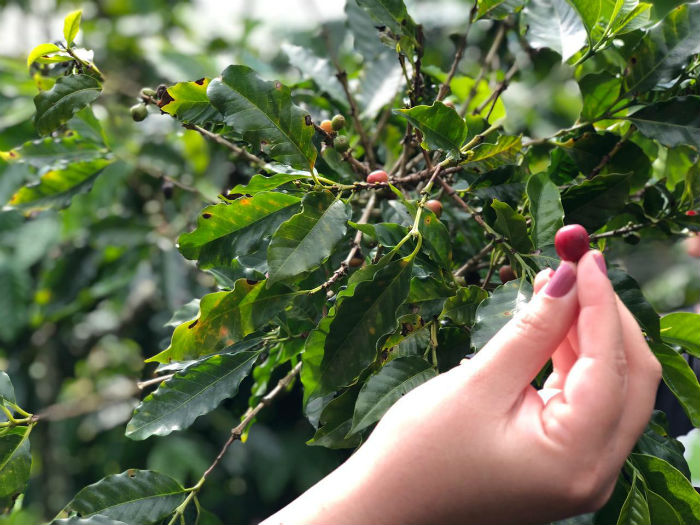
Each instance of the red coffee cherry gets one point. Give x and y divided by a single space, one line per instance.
377 176
571 242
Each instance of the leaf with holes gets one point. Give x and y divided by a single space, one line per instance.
190 393
263 113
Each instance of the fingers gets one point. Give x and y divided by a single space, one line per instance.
519 350
596 385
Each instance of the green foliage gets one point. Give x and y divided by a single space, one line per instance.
304 269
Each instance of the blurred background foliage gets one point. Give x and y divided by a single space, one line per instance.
86 292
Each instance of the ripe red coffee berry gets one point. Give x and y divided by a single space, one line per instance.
435 206
377 176
571 242
506 273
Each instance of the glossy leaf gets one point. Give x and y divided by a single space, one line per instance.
680 379
635 510
386 387
662 478
545 208
15 460
263 112
53 153
95 519
40 51
361 321
461 308
589 11
441 126
225 317
71 26
599 92
392 14
436 238
665 50
595 201
683 329
302 242
554 24
660 510
657 442
498 9
68 95
511 225
320 70
190 103
487 157
495 311
134 496
190 393
227 230
336 421
260 183
56 188
7 391
631 295
673 122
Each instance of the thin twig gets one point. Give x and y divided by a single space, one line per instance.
485 67
459 53
618 232
608 156
502 86
473 262
227 144
342 76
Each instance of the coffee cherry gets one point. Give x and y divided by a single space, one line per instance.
377 176
139 112
327 126
149 92
341 144
435 206
338 122
356 262
506 273
571 242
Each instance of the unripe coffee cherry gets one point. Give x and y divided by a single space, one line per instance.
148 92
435 206
377 176
338 122
571 242
341 143
327 126
506 273
139 112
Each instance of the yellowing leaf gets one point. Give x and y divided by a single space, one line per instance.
41 50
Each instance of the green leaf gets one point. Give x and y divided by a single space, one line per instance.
302 242
656 442
260 183
682 329
488 157
441 126
68 95
227 230
386 387
680 379
134 496
595 201
589 11
665 49
263 112
631 295
53 153
56 188
494 312
660 510
545 208
95 519
635 510
672 122
554 24
599 92
336 421
190 103
512 225
392 14
15 460
436 238
15 294
361 321
190 393
225 317
662 478
7 391
320 70
71 26
461 308
498 9
40 51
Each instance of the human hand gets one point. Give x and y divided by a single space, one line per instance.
478 444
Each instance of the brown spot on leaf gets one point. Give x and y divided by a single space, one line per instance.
278 85
193 324
206 215
308 121
200 81
131 473
633 60
507 313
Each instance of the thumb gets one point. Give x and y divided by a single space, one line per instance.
514 356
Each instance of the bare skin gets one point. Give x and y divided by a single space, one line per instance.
479 444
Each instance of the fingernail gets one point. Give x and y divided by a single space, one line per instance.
600 261
562 281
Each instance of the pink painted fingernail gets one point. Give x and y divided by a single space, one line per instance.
600 261
562 281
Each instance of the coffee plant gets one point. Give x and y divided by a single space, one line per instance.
379 198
